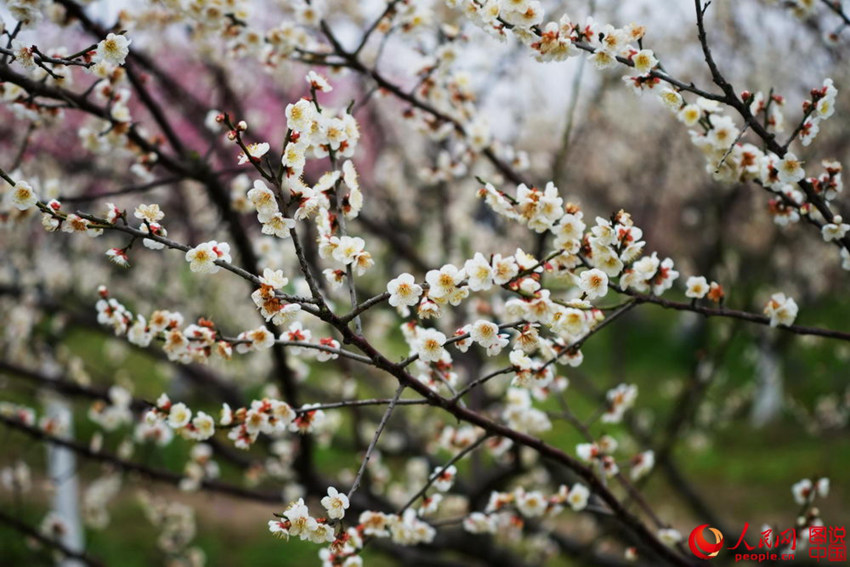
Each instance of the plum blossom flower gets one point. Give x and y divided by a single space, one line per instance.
504 269
300 115
278 225
24 54
444 478
690 114
478 523
834 230
620 399
318 82
479 272
203 427
642 463
263 200
300 521
278 528
202 258
531 504
822 486
335 503
112 50
790 169
443 282
669 536
578 496
151 213
349 249
671 99
486 334
697 287
429 345
179 415
781 310
404 290
118 256
594 283
644 61
255 152
23 196
802 491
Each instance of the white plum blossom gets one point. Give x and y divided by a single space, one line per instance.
642 463
669 536
530 504
485 333
790 169
112 50
802 491
444 478
179 415
690 114
300 522
24 54
254 153
504 269
578 496
318 82
202 258
644 61
834 230
150 213
404 291
479 272
594 283
429 345
620 399
781 310
263 200
23 196
478 523
335 503
697 287
443 282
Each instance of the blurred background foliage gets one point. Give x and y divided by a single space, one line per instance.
701 382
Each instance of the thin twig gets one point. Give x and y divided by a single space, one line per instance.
356 484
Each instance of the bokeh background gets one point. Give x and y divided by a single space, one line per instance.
738 413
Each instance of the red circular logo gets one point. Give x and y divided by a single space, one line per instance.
702 547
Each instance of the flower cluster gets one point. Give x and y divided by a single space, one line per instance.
728 159
199 467
272 307
197 342
345 251
600 453
268 211
177 528
179 418
317 132
805 491
502 508
110 416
